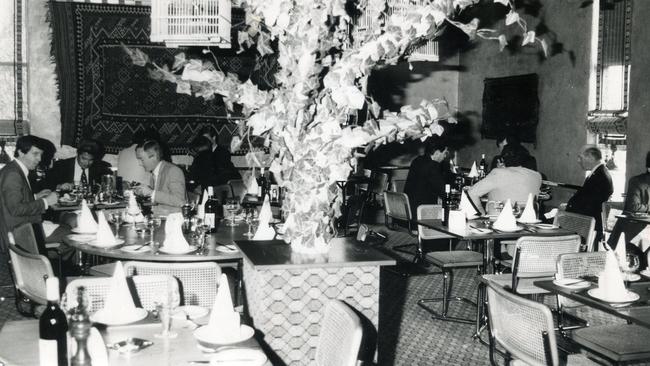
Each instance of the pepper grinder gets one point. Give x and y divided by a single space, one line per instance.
80 330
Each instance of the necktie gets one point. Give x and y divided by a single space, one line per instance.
152 181
84 178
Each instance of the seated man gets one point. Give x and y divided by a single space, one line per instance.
637 198
588 199
167 183
513 182
86 168
426 179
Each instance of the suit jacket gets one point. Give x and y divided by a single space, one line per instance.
224 168
63 172
16 198
637 198
513 183
425 182
170 189
203 170
588 199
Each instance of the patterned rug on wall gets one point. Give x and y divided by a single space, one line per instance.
105 97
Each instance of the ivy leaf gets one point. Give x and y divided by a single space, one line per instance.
503 42
529 37
512 17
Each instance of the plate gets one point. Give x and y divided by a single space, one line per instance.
207 336
189 250
190 311
546 226
573 283
65 203
645 273
631 277
138 248
84 238
137 315
225 248
629 296
240 356
530 222
518 228
78 231
117 242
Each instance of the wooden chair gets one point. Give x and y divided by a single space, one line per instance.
340 336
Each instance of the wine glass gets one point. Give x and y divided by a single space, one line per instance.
200 231
117 218
165 307
250 217
152 223
632 263
232 205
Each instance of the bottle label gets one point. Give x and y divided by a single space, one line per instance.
209 220
47 351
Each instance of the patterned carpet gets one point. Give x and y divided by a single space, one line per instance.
408 335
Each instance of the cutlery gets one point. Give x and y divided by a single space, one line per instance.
577 281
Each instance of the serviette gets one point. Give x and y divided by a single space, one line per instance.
200 207
642 239
134 214
621 251
85 222
104 237
118 305
175 241
506 220
224 320
610 280
529 216
473 173
457 220
466 206
252 188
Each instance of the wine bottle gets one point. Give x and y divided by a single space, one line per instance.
262 183
210 218
52 328
446 205
482 166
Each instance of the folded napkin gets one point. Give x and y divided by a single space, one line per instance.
174 239
200 207
506 220
610 280
239 357
224 320
95 346
466 206
134 214
104 237
621 252
473 173
264 229
551 214
642 240
49 227
529 216
457 220
118 304
85 222
253 187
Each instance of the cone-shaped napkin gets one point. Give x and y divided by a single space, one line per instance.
105 237
529 216
642 240
506 220
473 173
610 280
224 320
132 209
200 207
118 305
253 188
621 252
85 222
174 239
264 230
466 206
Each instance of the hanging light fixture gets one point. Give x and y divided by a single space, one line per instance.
191 22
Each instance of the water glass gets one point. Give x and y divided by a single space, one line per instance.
165 307
250 217
117 218
232 205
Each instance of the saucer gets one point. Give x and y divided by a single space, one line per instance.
79 231
117 242
598 294
100 317
207 337
572 283
191 248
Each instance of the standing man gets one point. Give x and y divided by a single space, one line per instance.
426 179
224 168
86 168
167 182
588 199
637 198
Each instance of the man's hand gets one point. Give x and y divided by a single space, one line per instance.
52 198
42 194
65 187
143 191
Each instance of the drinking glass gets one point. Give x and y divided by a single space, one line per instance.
250 217
117 218
199 234
165 307
632 263
152 224
232 205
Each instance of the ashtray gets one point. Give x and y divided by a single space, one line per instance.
130 345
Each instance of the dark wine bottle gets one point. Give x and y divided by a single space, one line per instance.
446 205
210 218
263 184
482 167
52 328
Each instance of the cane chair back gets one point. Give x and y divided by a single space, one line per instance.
522 327
198 281
430 212
609 212
577 265
580 224
378 183
397 206
340 336
29 271
146 290
238 188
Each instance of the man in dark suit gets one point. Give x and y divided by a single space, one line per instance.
203 169
426 179
224 168
637 198
588 199
86 168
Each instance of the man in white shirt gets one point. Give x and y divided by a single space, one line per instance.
84 169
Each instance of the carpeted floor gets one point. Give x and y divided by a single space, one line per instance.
408 335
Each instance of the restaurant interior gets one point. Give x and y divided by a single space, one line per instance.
358 182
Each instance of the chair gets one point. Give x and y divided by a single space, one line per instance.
340 336
580 224
447 262
354 213
29 272
222 192
238 188
609 212
425 233
377 185
146 290
524 329
397 207
25 238
198 281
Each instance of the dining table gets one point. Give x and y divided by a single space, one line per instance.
19 345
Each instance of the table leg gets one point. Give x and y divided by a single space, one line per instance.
240 282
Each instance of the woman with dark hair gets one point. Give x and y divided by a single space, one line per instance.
502 141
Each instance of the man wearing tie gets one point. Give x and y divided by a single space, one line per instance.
167 182
86 169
